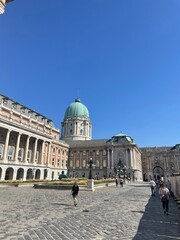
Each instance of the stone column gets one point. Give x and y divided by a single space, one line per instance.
42 153
25 175
27 149
14 174
17 147
49 154
131 159
112 160
3 173
6 144
108 152
35 149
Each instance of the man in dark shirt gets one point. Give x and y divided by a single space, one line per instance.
75 191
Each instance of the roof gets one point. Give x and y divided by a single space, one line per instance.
76 109
87 143
176 147
120 138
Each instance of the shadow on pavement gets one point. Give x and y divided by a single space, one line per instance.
62 204
155 225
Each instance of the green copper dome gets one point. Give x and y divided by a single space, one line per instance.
76 109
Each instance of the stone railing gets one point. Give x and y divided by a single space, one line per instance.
175 185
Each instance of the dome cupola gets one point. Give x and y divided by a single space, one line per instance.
76 109
76 124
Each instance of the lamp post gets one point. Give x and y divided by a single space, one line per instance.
90 168
122 168
90 182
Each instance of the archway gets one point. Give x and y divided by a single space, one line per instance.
1 173
52 176
20 173
145 178
38 173
158 173
9 173
29 174
45 173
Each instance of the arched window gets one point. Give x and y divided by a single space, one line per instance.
104 163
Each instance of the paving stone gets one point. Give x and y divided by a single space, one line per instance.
105 214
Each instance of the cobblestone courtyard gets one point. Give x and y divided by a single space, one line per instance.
108 213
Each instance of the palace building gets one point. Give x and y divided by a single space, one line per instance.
29 144
117 155
32 148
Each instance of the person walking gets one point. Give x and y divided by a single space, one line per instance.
152 185
164 195
121 182
75 191
116 182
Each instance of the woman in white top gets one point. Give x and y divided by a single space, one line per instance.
164 195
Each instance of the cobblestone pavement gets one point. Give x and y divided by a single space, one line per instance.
107 213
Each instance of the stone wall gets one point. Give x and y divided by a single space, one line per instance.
175 185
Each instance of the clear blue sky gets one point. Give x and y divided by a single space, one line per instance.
121 57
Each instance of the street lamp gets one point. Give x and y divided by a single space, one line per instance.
90 182
90 165
122 168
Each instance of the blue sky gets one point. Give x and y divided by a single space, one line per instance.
121 57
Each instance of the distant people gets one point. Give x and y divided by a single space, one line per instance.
75 191
152 185
116 182
129 179
121 182
164 195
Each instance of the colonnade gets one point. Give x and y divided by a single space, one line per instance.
38 140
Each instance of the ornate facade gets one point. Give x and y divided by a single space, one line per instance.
3 4
31 148
116 156
29 144
160 162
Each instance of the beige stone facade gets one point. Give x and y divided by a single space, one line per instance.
3 4
110 158
30 148
160 162
29 144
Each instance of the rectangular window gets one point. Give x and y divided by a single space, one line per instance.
97 152
37 156
58 163
62 163
1 151
29 156
10 153
53 162
20 154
